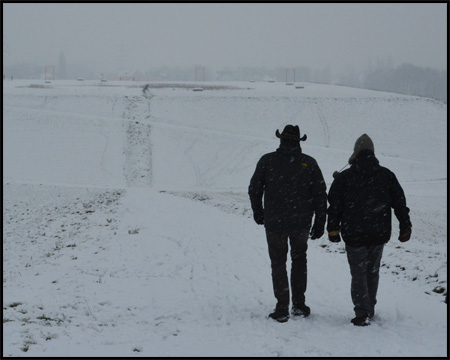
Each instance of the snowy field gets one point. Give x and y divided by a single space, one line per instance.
127 228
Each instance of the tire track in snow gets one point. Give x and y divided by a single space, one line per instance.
326 130
138 145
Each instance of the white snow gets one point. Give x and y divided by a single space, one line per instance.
127 229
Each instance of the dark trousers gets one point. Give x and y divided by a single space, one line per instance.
278 249
364 264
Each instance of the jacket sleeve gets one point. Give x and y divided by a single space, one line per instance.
336 203
256 188
398 203
319 191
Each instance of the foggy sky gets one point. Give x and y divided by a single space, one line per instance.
144 35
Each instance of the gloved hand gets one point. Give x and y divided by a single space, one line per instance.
316 231
259 217
334 236
405 234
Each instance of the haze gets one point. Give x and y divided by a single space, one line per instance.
143 35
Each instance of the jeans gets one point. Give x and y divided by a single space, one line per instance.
278 249
364 264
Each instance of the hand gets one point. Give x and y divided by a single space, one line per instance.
334 236
405 234
259 218
316 231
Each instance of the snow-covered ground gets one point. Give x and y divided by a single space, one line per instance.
127 229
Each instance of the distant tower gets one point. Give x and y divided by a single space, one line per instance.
288 71
123 73
5 45
49 72
121 56
62 69
199 70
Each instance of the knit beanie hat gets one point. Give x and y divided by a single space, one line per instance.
364 142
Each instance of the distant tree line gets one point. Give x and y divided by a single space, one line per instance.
410 80
405 79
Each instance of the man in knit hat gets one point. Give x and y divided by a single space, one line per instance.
294 191
360 201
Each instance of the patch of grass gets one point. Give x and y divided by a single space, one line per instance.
201 197
26 320
15 304
43 317
49 319
439 289
26 345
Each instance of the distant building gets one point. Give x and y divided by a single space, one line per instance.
127 75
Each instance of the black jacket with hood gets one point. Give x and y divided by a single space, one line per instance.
293 187
360 202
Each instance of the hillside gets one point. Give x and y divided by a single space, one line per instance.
128 231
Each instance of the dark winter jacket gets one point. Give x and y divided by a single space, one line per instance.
293 188
360 201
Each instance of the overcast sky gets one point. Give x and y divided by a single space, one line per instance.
107 36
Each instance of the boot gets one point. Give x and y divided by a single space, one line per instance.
280 315
360 321
301 310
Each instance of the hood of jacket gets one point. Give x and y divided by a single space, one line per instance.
365 163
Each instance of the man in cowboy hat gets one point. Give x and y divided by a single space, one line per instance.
294 191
